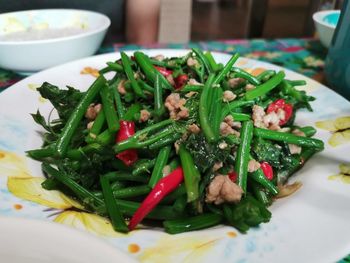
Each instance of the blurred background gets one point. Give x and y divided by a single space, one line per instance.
180 21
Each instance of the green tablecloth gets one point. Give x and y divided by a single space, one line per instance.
305 56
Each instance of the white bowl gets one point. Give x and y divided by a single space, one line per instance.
325 23
37 39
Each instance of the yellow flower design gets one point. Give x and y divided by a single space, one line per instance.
21 184
344 175
194 247
12 164
340 128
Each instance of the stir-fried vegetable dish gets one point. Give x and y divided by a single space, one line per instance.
185 142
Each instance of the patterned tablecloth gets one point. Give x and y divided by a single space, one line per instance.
305 56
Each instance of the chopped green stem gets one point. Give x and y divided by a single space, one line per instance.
113 210
135 143
232 139
159 108
216 111
240 73
189 88
73 122
265 75
76 188
143 166
260 194
180 204
191 174
260 178
118 102
164 141
309 131
164 64
203 59
122 176
161 161
132 111
131 191
240 116
289 138
212 63
226 69
296 82
109 110
96 127
265 87
130 74
234 105
145 86
148 69
204 111
75 154
243 154
115 66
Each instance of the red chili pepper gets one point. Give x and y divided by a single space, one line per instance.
233 176
164 186
126 130
180 81
267 169
281 104
165 72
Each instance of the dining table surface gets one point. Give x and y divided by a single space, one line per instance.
303 55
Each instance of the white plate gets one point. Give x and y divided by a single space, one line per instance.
34 241
309 226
